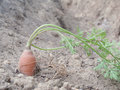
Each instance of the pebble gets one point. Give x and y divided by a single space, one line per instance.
29 78
66 85
2 70
62 88
55 88
10 34
46 79
28 86
77 86
80 89
84 56
26 82
40 84
20 75
73 88
76 56
37 89
43 86
54 82
5 86
6 62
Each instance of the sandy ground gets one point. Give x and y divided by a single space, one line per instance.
19 18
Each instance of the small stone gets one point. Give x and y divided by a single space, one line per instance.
51 55
40 84
18 81
23 81
20 75
62 88
66 85
55 34
71 85
5 86
28 86
6 62
73 88
84 56
37 89
55 88
10 34
46 79
8 79
2 70
76 56
54 82
29 78
43 86
76 86
80 89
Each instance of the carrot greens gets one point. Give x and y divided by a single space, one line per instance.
95 41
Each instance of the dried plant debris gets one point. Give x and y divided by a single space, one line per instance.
60 69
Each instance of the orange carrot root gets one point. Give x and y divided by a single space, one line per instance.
27 63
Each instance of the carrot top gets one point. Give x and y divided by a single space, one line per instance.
95 41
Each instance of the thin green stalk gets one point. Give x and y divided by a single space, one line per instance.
32 35
91 48
42 26
45 49
41 31
70 33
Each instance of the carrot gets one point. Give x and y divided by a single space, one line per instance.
27 63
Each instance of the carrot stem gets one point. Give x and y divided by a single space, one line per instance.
45 49
59 29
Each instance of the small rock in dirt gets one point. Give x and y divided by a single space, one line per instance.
66 85
84 56
55 88
5 86
49 85
2 70
76 86
62 88
28 86
43 86
71 85
89 62
76 56
40 84
46 79
80 89
27 81
20 75
29 78
73 88
10 34
8 79
55 34
55 82
6 62
37 89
